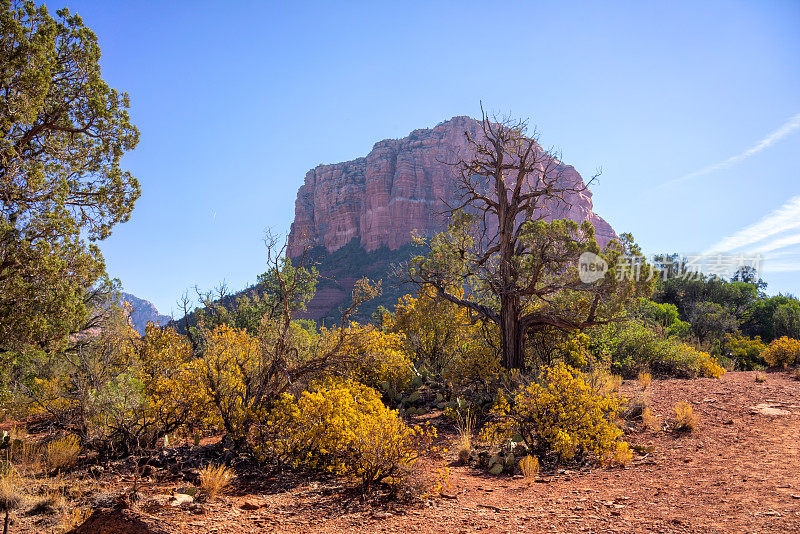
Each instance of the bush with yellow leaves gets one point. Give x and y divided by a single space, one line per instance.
744 351
622 454
705 364
344 428
379 359
232 364
442 337
118 393
782 352
559 413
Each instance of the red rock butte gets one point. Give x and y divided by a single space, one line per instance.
400 186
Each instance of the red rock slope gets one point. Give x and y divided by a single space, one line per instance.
399 187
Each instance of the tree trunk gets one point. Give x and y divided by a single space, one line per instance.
512 334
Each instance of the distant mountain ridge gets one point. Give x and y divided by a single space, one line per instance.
142 311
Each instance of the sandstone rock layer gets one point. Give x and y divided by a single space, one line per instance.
400 186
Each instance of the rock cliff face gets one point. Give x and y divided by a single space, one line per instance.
142 311
399 187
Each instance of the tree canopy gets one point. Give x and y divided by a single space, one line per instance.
518 270
63 132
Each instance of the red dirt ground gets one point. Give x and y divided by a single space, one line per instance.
737 472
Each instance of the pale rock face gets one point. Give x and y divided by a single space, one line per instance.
400 186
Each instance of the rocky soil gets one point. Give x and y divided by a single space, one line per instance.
737 472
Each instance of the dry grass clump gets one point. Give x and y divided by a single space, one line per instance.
215 479
761 377
10 498
63 452
622 454
529 466
466 427
685 420
602 382
644 380
649 419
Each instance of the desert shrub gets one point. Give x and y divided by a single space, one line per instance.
703 364
602 382
782 352
245 374
529 466
441 337
433 328
379 359
154 395
560 413
744 351
761 377
344 428
685 420
442 485
119 393
622 455
232 363
215 479
63 452
68 392
636 348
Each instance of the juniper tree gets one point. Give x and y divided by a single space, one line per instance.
516 266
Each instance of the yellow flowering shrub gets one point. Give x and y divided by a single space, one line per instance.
744 351
171 376
443 337
574 352
783 352
703 363
433 328
379 359
344 428
561 413
121 393
231 364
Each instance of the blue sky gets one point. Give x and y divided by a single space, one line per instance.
236 101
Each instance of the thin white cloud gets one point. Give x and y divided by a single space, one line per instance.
787 128
780 243
787 217
785 267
